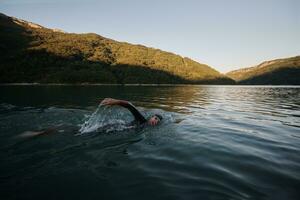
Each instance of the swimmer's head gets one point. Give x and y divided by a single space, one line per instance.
155 119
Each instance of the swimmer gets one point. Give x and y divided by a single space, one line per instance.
139 118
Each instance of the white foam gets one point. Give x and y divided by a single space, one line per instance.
103 118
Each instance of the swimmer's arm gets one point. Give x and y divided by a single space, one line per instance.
111 102
137 115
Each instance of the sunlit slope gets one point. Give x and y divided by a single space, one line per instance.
32 53
275 72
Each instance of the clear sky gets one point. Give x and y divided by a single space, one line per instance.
225 34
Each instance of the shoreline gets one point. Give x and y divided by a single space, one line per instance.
137 84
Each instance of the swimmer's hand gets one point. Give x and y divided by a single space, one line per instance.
108 102
111 102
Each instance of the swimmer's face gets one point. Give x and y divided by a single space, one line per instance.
153 121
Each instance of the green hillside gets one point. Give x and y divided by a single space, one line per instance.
275 72
32 53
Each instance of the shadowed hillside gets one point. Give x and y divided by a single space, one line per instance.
32 53
276 72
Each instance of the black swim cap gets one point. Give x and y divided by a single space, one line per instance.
159 116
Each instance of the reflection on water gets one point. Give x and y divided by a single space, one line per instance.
216 142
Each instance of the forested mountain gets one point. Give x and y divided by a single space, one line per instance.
32 53
275 72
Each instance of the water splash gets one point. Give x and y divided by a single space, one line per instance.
104 119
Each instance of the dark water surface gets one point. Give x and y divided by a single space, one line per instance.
215 142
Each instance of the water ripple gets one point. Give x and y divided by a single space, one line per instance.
215 142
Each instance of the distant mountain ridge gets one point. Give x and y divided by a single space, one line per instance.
284 71
33 53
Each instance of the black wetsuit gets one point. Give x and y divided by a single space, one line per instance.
138 117
138 122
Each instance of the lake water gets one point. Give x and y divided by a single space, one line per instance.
215 142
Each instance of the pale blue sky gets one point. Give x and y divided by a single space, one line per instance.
225 34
